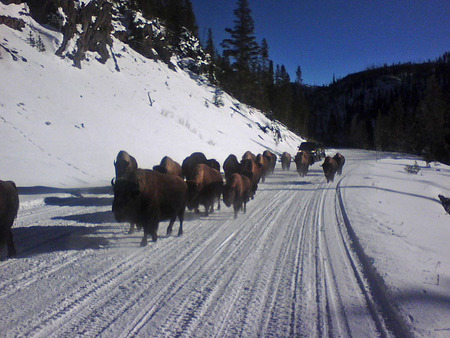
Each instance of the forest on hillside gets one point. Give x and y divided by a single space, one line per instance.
401 107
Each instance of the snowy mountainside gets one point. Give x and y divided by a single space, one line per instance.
63 126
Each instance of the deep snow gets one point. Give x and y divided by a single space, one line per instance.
61 127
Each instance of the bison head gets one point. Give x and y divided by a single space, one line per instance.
193 195
228 195
126 194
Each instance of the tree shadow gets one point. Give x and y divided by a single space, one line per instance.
35 240
42 190
79 201
100 217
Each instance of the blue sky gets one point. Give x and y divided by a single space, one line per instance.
337 37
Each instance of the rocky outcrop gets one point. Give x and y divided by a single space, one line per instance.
90 26
14 23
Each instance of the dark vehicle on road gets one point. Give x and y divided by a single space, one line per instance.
316 150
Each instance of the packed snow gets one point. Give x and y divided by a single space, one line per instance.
294 264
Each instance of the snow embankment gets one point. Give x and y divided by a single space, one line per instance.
63 126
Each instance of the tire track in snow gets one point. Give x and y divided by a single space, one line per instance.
195 298
273 271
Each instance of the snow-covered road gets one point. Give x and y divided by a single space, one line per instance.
285 268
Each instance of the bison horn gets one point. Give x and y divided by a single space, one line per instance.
113 181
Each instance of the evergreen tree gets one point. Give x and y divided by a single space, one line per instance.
210 48
31 39
242 46
298 76
243 52
432 116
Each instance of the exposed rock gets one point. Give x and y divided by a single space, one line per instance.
17 24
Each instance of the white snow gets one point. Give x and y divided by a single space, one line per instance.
79 274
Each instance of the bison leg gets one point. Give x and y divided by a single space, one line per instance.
169 228
131 231
236 209
144 239
181 218
10 243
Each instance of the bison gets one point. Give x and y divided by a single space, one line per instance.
272 158
329 166
204 187
286 161
9 205
264 164
169 166
193 160
125 164
213 163
340 159
252 170
190 163
302 161
248 155
231 166
236 192
149 198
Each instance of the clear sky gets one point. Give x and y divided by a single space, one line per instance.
337 37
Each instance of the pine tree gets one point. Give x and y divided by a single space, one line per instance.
432 115
242 46
40 45
298 76
31 39
243 51
210 48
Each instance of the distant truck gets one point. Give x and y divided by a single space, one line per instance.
316 150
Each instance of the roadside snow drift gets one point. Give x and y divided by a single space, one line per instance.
65 125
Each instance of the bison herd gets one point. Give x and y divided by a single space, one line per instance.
144 197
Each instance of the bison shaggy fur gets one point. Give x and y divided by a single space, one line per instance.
149 198
302 161
329 167
204 188
252 170
286 159
236 192
231 166
9 205
169 166
340 159
125 164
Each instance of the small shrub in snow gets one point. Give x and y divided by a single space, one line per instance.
217 98
412 169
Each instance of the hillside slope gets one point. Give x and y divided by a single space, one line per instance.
54 116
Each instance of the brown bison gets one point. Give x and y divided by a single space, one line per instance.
248 155
190 163
236 192
231 166
252 170
213 163
340 159
204 187
264 164
286 159
329 166
169 166
193 160
125 164
272 158
9 205
149 198
302 161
